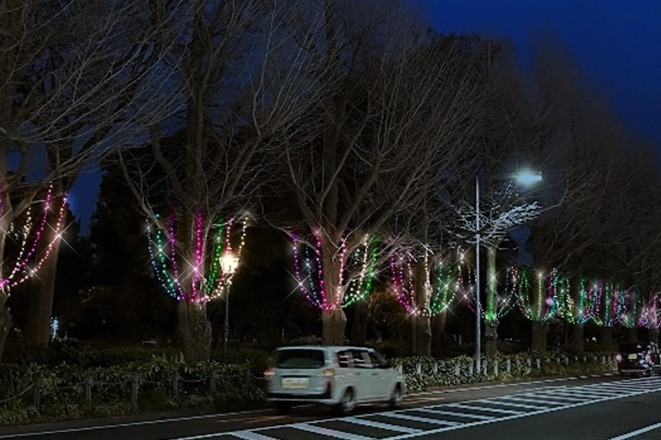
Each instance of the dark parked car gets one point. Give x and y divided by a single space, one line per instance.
636 358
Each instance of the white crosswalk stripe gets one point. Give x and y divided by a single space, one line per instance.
506 403
458 414
482 408
332 433
421 419
250 435
380 425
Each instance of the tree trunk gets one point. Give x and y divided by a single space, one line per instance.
540 331
421 323
606 338
491 336
421 335
439 337
42 288
194 332
577 340
631 334
413 335
5 322
359 324
491 309
334 323
653 335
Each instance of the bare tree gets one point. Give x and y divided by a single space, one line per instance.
579 142
77 78
398 108
248 82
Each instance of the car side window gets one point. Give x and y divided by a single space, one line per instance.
344 359
375 360
360 360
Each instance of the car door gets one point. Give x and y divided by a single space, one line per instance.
365 381
384 381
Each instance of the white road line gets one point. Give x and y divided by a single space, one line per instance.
379 425
622 389
505 403
246 435
637 432
560 396
523 399
594 394
332 433
456 414
482 408
421 419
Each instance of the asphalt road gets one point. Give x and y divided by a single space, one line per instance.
595 408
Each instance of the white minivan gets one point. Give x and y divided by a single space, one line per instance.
338 376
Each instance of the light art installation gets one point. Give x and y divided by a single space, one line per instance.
356 271
631 308
584 306
30 235
540 299
499 301
612 304
649 315
198 279
448 282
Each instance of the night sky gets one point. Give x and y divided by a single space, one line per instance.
616 43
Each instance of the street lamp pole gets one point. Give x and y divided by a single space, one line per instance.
226 324
228 263
478 328
525 178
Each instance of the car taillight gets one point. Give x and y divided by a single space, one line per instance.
328 373
269 373
618 357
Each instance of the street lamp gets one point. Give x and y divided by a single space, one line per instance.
228 263
525 178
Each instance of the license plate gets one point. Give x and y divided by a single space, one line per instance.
632 356
295 382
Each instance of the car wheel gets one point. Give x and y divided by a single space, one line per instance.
396 397
347 402
283 407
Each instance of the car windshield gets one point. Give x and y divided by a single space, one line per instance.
296 358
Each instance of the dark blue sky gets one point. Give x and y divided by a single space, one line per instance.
616 43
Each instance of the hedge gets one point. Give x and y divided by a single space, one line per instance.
67 391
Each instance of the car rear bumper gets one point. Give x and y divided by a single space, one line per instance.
280 396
